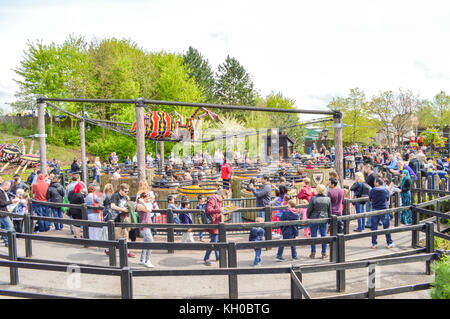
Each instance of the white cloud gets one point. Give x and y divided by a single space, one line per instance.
309 51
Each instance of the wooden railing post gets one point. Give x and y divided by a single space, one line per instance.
268 218
112 250
12 251
126 283
333 232
415 221
340 274
222 251
84 216
170 231
28 225
232 263
346 212
372 282
123 253
429 233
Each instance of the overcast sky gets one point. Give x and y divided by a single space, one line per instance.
309 51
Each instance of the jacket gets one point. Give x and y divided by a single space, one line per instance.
290 231
256 234
4 201
379 197
319 207
361 189
55 193
75 198
213 207
40 188
263 195
306 193
21 185
337 196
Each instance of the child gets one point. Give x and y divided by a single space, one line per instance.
186 219
202 206
21 208
289 232
171 205
257 234
302 212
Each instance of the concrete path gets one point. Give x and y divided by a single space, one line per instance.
250 286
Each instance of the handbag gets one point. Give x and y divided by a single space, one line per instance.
109 214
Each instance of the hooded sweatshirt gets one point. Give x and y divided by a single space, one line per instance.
40 188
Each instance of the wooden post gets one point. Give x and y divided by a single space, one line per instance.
340 258
28 223
222 251
170 232
232 263
338 145
12 251
112 250
42 136
429 233
83 153
415 221
333 232
268 218
140 139
126 283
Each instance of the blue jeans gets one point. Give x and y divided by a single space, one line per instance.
57 213
42 211
262 214
257 256
323 229
293 248
359 210
368 209
385 221
214 239
6 224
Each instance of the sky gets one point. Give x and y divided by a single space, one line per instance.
310 51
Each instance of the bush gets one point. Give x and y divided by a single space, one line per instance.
441 284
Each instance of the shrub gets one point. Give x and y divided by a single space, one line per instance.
441 284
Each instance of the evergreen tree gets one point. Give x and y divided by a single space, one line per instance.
200 70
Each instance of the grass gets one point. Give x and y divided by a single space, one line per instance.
64 155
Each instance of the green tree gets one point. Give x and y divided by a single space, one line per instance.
234 85
355 114
200 70
432 138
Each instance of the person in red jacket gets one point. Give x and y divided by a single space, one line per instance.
306 192
226 174
39 190
214 208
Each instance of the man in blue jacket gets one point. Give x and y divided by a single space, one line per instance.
379 197
262 195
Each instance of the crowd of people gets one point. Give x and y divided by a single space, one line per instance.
363 169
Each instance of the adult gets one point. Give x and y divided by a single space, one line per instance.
144 209
127 161
18 184
405 187
93 199
218 159
123 208
215 209
226 174
351 165
336 196
55 194
74 167
262 195
379 197
97 169
319 207
5 221
415 164
76 178
56 169
289 231
76 196
306 192
360 189
39 190
370 177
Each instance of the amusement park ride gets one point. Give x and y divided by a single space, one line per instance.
13 154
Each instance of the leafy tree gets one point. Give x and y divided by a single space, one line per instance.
355 114
432 138
234 85
395 112
200 70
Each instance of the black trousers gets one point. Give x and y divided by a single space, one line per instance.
18 225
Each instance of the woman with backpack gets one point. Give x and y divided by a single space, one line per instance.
360 189
319 207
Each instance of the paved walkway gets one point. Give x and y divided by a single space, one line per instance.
250 286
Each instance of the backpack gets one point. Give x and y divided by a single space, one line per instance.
205 217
